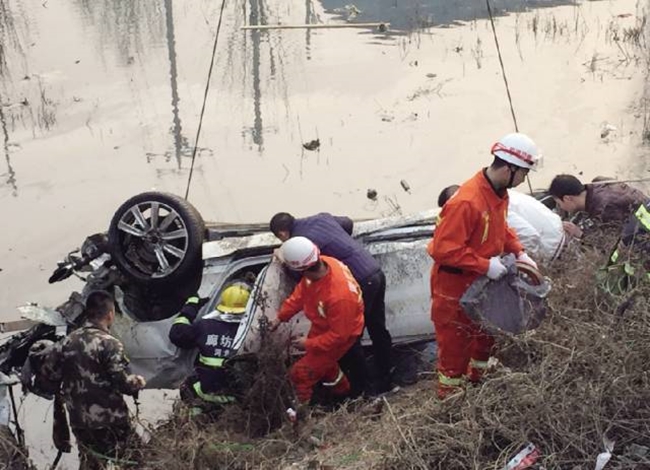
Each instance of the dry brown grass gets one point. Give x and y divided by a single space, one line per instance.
12 456
582 376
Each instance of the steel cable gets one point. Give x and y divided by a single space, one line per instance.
505 78
205 98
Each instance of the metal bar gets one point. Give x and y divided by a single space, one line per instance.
16 325
19 431
381 26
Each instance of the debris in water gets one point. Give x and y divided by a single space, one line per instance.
351 10
607 129
405 186
313 145
371 194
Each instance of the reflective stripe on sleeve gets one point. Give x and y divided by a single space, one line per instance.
211 361
336 381
643 216
212 397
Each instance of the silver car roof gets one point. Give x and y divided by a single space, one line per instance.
232 243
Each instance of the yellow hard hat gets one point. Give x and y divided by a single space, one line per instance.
234 299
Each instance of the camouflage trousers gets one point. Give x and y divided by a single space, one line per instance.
105 448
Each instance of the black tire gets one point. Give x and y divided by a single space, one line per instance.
155 238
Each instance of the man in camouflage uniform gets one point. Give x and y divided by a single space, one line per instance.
93 372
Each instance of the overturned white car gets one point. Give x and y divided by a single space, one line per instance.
158 251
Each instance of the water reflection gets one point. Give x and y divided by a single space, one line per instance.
10 45
11 174
257 16
8 36
311 17
413 14
256 70
173 74
127 25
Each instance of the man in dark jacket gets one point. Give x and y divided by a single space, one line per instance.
609 203
612 203
333 237
210 388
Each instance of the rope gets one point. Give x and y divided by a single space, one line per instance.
503 70
19 431
205 98
505 78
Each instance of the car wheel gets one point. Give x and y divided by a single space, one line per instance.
156 238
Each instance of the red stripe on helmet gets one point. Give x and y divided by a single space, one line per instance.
521 155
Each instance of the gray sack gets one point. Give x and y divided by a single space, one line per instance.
508 305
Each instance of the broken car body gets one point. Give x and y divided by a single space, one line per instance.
158 252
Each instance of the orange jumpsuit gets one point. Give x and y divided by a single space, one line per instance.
334 306
471 229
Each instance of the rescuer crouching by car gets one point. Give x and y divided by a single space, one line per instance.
210 388
331 299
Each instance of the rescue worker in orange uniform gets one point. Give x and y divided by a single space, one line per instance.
331 299
469 239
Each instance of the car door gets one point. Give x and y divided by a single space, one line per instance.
272 287
402 254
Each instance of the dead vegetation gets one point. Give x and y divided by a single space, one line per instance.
578 380
11 455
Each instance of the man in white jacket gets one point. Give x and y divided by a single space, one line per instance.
539 229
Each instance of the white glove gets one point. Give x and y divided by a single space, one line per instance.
496 270
524 258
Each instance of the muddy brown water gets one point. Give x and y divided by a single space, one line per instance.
99 100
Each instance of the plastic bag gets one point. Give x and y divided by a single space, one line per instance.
509 304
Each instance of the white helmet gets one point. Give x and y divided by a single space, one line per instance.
518 149
299 253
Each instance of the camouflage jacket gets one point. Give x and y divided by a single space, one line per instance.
93 372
